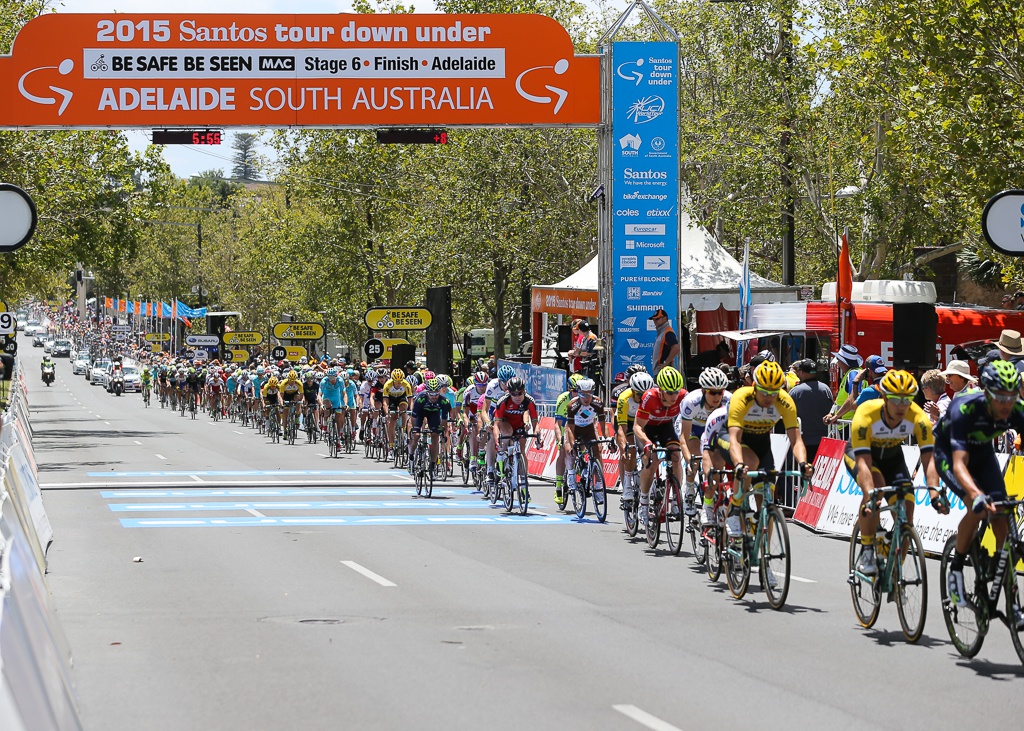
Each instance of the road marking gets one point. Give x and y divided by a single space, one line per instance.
644 718
137 442
802 580
321 454
255 513
259 492
340 520
368 574
246 473
197 478
159 456
237 432
107 423
317 505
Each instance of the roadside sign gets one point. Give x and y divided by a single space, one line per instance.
18 212
201 355
294 352
298 331
278 352
190 354
237 356
242 338
156 347
201 340
10 347
8 323
120 328
389 343
398 318
120 337
1002 222
373 349
157 337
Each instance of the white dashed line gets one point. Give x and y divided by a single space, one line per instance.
238 432
107 423
255 513
644 718
160 456
197 478
138 442
368 574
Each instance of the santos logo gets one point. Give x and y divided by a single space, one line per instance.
631 174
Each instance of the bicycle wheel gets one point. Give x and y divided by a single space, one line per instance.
366 445
674 520
492 489
775 558
428 479
464 462
653 518
966 628
715 537
866 600
579 494
737 565
1014 590
524 489
911 583
508 495
697 542
631 515
598 492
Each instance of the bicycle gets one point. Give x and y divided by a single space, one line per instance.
274 423
713 534
291 424
768 547
145 395
215 407
422 470
462 456
692 520
900 571
348 436
512 473
331 433
589 478
401 445
631 507
312 424
192 405
984 578
665 503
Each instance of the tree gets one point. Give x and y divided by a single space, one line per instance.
244 156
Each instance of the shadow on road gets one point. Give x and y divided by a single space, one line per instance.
995 671
895 638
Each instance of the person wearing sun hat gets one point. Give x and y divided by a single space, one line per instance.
1010 346
849 361
958 376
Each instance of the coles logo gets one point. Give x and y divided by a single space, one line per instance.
646 109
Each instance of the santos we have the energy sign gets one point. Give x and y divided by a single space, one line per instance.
69 70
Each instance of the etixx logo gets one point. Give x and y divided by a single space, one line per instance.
646 109
65 68
560 67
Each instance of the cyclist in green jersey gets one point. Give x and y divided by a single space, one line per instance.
561 417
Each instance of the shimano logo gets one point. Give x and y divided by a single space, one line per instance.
631 174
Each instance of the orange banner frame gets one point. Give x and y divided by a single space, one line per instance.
117 71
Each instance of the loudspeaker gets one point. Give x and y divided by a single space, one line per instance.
402 353
564 338
914 327
439 332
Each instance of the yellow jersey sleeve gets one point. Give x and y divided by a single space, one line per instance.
922 428
787 410
622 407
739 405
861 428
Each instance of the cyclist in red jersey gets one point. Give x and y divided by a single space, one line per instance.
511 412
655 425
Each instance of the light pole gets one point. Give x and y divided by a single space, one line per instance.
788 199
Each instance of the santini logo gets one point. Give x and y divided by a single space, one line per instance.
631 174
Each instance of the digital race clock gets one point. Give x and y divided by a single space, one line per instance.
187 136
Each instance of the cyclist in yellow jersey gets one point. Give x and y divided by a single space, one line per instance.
626 408
291 394
397 392
874 455
753 413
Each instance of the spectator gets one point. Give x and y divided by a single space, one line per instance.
874 369
666 343
1018 300
933 384
1010 345
958 376
575 359
813 402
848 360
586 347
1007 302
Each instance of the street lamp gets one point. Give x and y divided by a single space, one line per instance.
789 200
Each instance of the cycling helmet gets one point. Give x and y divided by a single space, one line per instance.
636 368
669 379
899 383
307 375
273 382
713 379
292 375
585 385
516 385
382 373
332 372
411 364
641 381
259 370
574 380
999 375
506 372
397 375
481 378
433 386
427 375
303 360
766 355
445 380
769 376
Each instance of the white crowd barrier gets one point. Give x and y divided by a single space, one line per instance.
36 693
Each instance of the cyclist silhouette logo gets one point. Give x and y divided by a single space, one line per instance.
631 75
559 68
65 68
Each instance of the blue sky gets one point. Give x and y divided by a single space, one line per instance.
187 160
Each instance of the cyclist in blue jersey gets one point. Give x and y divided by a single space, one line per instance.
965 458
352 399
332 398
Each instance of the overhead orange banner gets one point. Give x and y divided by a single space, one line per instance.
121 71
580 302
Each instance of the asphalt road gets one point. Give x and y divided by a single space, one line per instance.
254 608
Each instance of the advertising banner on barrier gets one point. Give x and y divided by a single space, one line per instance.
544 384
645 195
542 460
827 462
343 70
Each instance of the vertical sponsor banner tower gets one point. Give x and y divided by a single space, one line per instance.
644 195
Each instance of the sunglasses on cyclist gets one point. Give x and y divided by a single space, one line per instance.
900 400
518 393
768 391
1002 398
669 393
713 392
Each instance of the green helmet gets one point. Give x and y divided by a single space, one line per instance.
1000 375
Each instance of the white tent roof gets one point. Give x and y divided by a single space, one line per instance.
709 276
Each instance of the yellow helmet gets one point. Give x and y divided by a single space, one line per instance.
669 379
898 383
769 376
272 382
292 375
397 375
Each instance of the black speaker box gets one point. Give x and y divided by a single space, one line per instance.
564 338
914 326
402 353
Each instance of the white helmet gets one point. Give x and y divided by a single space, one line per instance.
641 382
586 386
714 379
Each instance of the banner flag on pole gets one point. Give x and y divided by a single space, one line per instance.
745 301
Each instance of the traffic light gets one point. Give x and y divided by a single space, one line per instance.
79 276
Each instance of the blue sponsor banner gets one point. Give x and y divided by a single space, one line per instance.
645 195
544 384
